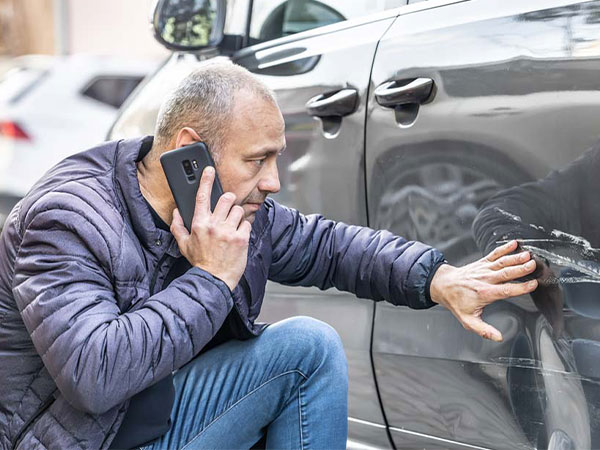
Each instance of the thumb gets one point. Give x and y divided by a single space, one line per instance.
177 227
484 329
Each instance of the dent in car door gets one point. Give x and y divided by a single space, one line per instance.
322 170
469 98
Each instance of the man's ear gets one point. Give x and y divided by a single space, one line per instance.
186 136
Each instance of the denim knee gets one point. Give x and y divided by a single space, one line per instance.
315 344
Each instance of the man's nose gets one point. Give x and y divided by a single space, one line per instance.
270 182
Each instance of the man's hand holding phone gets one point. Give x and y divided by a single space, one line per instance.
218 241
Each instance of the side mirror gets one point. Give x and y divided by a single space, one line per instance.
189 24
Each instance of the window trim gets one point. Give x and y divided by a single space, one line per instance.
346 24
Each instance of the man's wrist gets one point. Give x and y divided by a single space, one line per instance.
436 286
228 281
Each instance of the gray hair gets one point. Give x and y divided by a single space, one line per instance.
204 101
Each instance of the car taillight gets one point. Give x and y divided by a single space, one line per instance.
13 130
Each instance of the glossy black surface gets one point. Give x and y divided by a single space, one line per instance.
517 96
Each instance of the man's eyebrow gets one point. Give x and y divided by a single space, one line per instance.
266 151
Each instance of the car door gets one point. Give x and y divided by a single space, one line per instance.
327 63
321 80
470 97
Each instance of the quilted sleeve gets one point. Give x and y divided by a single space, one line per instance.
97 356
313 251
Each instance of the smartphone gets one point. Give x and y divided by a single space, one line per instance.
183 168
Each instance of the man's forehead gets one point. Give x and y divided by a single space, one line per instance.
256 125
264 149
248 99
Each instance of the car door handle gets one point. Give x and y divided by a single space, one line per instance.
402 92
333 104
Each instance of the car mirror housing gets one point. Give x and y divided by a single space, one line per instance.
189 24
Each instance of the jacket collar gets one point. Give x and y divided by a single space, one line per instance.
125 169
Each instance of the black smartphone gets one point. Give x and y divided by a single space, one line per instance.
183 168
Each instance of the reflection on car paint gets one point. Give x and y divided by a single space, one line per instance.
563 356
573 254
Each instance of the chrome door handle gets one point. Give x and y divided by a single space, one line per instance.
402 92
333 104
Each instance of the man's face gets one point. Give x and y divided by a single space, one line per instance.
247 162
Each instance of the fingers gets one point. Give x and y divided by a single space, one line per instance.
245 229
501 251
204 191
224 206
514 272
235 216
508 290
510 260
178 229
483 329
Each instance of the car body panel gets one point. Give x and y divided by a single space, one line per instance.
323 172
515 97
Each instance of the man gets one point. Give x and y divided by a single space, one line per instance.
118 332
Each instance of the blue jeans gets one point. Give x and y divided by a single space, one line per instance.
289 383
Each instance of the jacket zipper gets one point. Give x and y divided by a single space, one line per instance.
246 288
248 333
156 272
42 408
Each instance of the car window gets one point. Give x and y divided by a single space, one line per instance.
111 90
279 18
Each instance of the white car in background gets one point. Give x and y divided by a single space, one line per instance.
52 107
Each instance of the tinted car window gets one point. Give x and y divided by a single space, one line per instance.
111 90
294 16
272 20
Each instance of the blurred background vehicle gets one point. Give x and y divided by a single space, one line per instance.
65 69
52 107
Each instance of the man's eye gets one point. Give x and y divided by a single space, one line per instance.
259 162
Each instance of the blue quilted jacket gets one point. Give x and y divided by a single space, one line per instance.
83 326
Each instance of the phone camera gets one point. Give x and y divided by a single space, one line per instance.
187 167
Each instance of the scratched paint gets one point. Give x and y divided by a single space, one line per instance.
568 251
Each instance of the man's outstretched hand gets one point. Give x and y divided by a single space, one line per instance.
466 290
